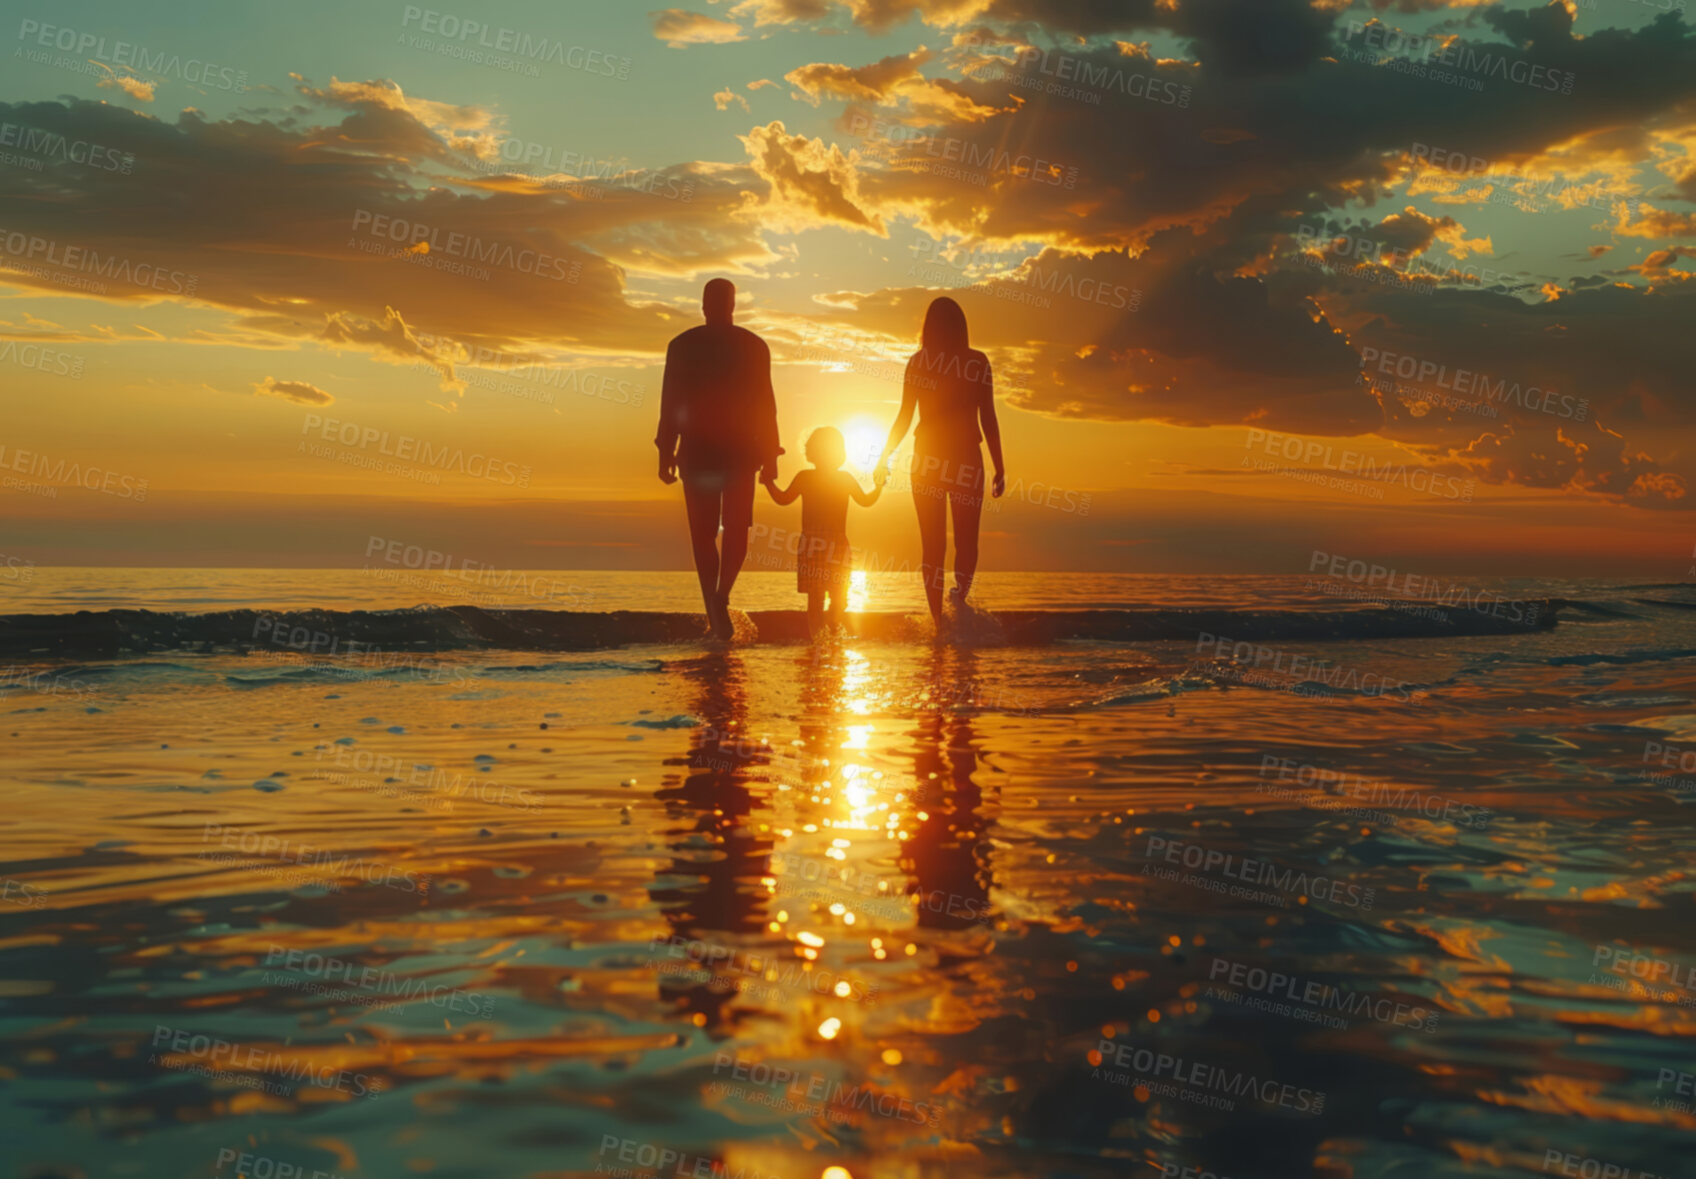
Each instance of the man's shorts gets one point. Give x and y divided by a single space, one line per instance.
733 489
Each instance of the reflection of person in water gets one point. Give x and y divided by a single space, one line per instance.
947 854
710 893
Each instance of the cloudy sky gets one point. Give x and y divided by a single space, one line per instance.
1407 279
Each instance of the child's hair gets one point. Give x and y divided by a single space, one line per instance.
825 448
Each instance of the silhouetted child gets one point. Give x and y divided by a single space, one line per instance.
824 562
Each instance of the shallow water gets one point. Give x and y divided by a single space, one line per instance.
1000 911
405 582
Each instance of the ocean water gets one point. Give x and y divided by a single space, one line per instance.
1410 907
399 586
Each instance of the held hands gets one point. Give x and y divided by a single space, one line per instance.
1000 484
880 475
668 469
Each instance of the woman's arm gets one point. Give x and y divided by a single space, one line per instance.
903 417
787 495
992 430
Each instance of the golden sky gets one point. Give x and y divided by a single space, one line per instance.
1405 280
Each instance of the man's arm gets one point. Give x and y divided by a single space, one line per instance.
671 401
766 409
789 494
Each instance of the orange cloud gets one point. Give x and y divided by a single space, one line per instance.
678 27
300 392
813 183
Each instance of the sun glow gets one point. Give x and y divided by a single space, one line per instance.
865 443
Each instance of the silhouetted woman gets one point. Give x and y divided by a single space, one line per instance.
949 384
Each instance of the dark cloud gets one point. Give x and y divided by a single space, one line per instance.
1220 205
1159 337
311 228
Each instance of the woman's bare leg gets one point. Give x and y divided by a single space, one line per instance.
933 542
966 505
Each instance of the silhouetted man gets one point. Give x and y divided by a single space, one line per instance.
718 427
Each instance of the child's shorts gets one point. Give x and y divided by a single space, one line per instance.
823 563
